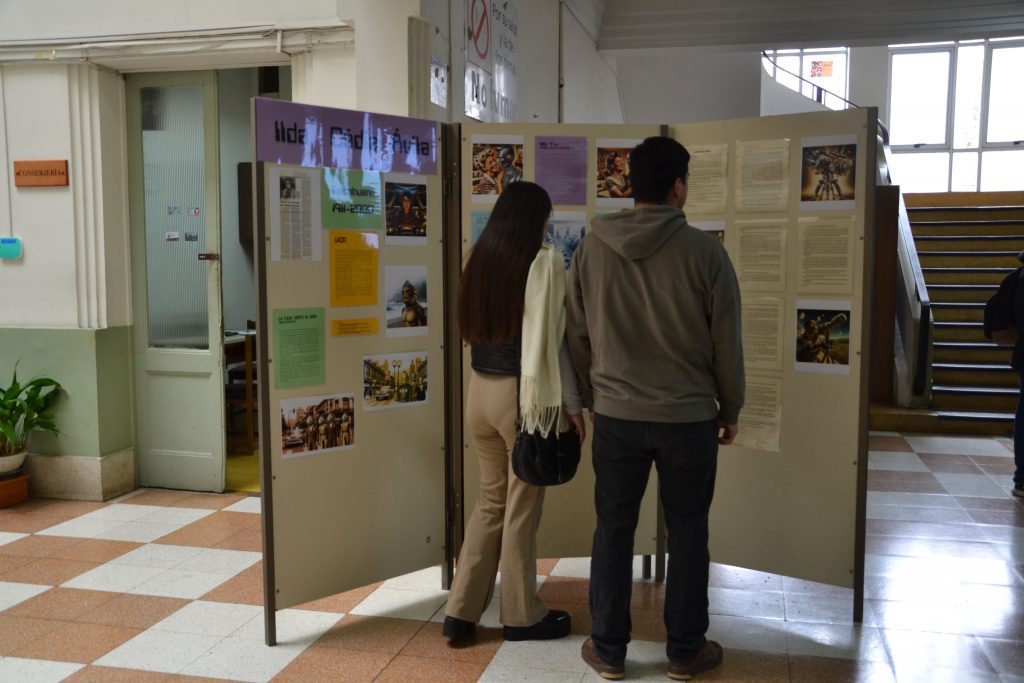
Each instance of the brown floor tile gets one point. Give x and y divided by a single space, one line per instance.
244 590
159 497
38 546
48 571
63 604
545 565
253 570
207 501
648 624
889 443
369 634
1004 517
232 520
179 678
74 642
648 595
9 563
246 539
30 522
342 603
901 476
1007 656
930 547
429 642
742 666
727 576
20 631
561 589
198 536
327 665
904 486
132 611
68 508
404 669
1004 465
109 674
96 550
1007 443
1004 504
948 462
804 669
891 527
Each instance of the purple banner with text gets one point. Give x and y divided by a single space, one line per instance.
304 134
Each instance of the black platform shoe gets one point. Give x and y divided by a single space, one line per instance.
458 632
556 624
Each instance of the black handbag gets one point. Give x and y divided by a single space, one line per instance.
544 460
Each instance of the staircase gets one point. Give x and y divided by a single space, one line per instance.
967 244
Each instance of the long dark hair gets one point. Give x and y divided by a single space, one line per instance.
494 280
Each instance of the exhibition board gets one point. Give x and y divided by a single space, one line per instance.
568 160
794 196
349 279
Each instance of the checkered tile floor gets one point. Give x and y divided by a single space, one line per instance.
167 586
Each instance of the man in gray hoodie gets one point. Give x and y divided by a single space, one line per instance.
653 324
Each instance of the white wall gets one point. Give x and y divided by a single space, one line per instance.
777 99
686 85
591 90
55 19
869 78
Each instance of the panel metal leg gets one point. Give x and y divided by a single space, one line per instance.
647 566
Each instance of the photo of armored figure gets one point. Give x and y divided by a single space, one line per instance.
823 337
828 173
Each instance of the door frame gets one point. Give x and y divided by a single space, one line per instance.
186 361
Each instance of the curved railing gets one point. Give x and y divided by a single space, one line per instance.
913 307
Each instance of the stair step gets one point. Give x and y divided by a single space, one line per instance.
975 416
891 418
968 259
977 228
958 311
953 243
995 375
946 293
974 399
985 352
958 331
973 275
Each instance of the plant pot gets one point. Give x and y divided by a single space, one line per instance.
12 463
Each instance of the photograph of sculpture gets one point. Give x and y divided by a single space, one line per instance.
311 425
406 290
823 336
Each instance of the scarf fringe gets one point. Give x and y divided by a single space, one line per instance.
535 417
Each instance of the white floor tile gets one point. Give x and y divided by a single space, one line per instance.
138 532
124 512
209 618
10 536
115 578
745 603
401 604
957 445
217 561
35 670
12 593
901 462
836 641
247 504
977 485
294 627
428 579
180 583
154 555
82 528
921 500
162 651
764 635
562 654
498 673
825 609
944 515
177 516
579 567
239 659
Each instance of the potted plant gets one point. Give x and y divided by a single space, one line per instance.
24 409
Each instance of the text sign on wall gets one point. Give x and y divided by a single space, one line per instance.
304 134
41 173
492 29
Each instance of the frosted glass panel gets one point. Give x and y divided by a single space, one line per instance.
1006 98
922 172
920 88
1000 171
173 179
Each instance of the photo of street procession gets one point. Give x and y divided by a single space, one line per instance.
311 425
394 380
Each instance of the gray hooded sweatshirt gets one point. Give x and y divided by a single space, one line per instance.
653 320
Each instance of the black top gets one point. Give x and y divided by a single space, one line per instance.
502 359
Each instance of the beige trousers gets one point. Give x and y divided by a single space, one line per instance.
504 522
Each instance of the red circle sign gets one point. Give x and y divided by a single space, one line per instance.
480 28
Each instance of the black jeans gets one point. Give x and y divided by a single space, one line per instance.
686 455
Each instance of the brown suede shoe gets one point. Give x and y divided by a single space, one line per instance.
708 657
591 656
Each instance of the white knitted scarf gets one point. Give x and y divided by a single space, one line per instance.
540 386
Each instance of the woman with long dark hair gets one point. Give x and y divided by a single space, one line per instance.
509 255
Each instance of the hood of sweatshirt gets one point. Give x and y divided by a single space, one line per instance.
637 233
